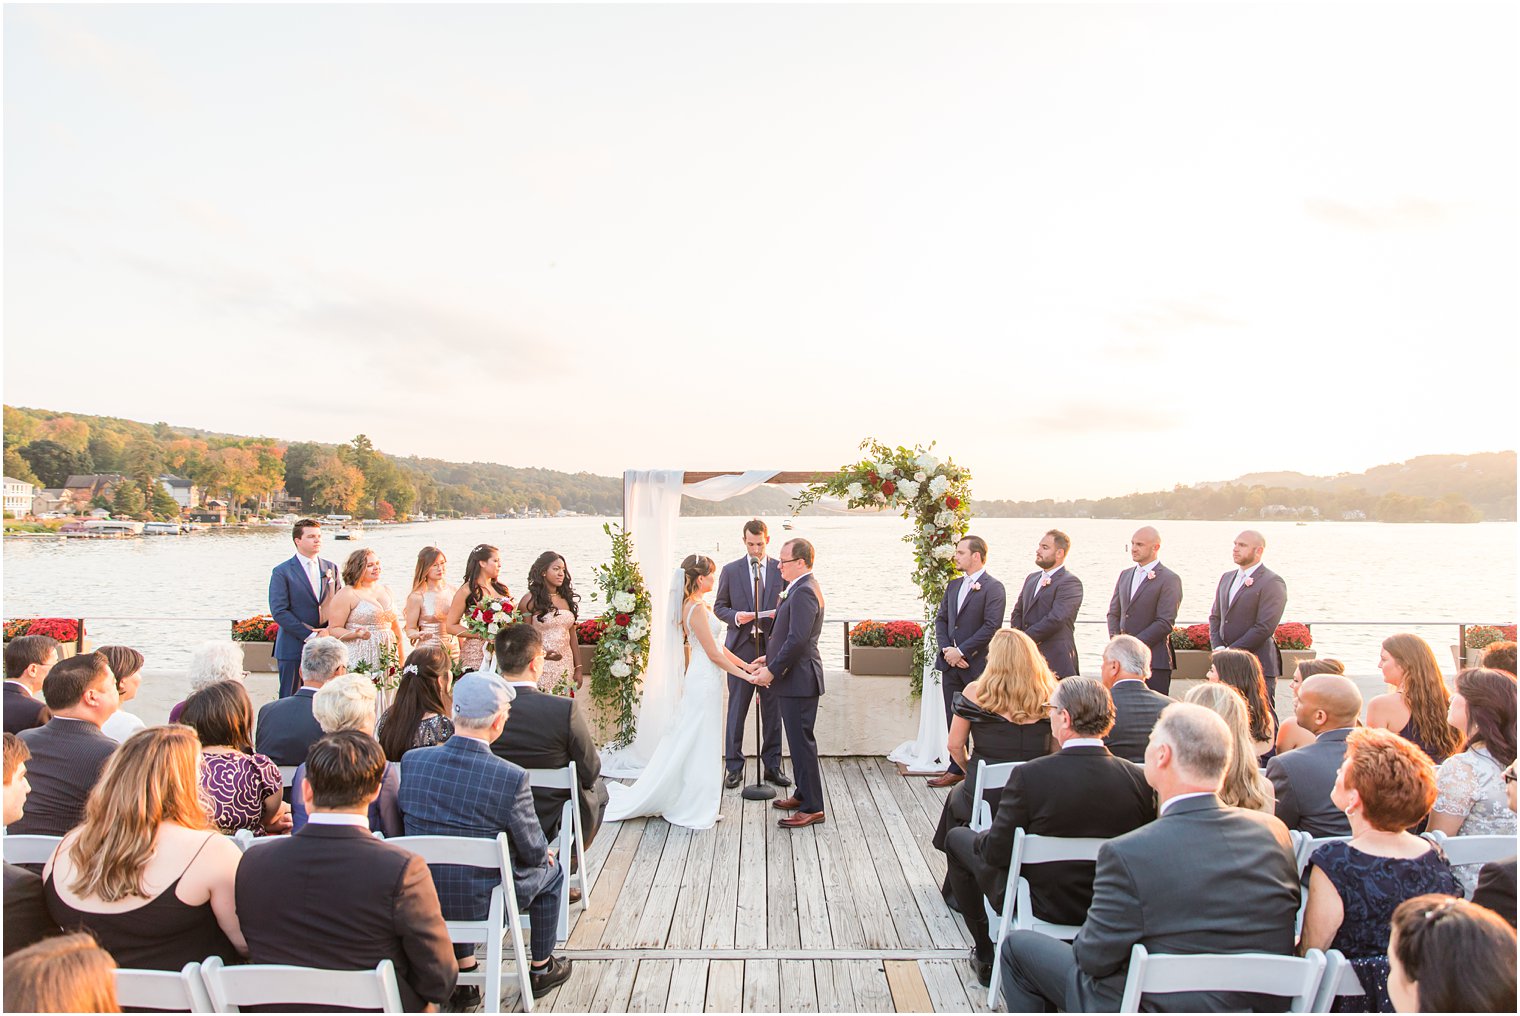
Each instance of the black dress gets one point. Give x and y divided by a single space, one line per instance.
993 740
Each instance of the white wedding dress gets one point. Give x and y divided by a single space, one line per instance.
683 783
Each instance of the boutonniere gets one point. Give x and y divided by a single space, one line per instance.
1249 580
976 587
1149 576
783 595
1045 582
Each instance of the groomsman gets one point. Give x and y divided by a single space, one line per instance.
969 615
1145 603
299 592
747 593
1248 607
1046 609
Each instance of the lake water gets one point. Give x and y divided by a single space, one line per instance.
165 594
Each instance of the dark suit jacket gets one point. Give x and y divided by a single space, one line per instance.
23 710
1496 891
292 605
1082 791
550 732
286 729
1049 616
1136 710
1302 779
26 915
1151 614
971 627
793 656
1252 619
736 592
337 897
1202 878
67 757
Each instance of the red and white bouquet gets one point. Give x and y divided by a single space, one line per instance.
489 616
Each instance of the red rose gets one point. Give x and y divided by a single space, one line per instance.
952 502
888 488
622 620
872 479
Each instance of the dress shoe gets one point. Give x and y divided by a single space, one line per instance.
465 996
947 780
733 779
550 976
802 818
777 777
787 803
575 894
983 969
951 902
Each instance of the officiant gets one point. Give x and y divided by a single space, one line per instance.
748 591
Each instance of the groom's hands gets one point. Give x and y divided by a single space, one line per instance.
763 677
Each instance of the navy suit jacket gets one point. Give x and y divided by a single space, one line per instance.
795 662
736 592
1050 618
23 710
286 729
1250 622
293 607
970 628
1152 613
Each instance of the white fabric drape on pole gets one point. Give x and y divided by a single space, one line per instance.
651 507
930 751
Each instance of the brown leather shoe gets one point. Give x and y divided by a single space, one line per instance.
787 803
575 895
802 818
947 780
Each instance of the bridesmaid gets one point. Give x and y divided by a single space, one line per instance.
363 613
551 605
480 580
427 608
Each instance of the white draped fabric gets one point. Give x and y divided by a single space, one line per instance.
930 751
651 507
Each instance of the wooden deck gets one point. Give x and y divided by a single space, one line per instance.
748 917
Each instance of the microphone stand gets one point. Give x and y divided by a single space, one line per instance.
760 791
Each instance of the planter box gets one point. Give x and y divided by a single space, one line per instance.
881 661
1292 658
258 657
1192 664
583 657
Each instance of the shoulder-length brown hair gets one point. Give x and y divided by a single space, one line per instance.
65 973
1017 683
426 558
1242 671
1490 696
1425 693
153 778
222 715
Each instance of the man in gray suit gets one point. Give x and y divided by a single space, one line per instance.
69 751
1126 661
1328 707
1202 878
1248 607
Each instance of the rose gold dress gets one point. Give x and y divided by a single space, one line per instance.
557 629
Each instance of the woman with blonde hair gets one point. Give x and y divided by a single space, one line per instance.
1417 707
348 703
65 973
1244 785
147 873
427 607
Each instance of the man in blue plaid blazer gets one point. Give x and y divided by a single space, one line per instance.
459 788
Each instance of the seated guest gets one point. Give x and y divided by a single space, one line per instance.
1242 671
69 751
1500 656
126 666
68 973
459 788
212 662
1447 955
1244 786
26 916
147 873
1328 707
335 897
244 789
27 661
547 732
1081 790
1290 734
419 715
1156 887
1384 786
286 727
1126 661
348 703
1496 879
1471 797
1416 708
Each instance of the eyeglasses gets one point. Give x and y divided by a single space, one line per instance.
788 560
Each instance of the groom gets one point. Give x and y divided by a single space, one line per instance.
793 671
299 591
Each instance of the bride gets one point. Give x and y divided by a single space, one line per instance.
684 780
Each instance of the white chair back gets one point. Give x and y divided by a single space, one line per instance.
30 848
1304 848
988 777
181 991
1283 976
287 775
1475 849
246 841
571 842
232 988
1339 979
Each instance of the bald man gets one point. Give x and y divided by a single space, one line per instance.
1145 604
1328 707
1248 607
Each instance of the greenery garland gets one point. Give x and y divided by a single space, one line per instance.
622 653
933 494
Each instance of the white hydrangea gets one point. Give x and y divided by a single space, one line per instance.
927 462
908 489
620 669
636 630
920 476
945 551
929 527
938 485
854 490
623 602
944 519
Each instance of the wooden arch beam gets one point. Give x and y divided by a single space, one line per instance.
778 478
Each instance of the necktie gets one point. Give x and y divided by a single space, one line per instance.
1240 579
960 601
1134 586
315 575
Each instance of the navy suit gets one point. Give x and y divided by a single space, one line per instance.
1149 616
736 593
1049 616
286 729
297 612
798 672
1250 622
23 710
969 628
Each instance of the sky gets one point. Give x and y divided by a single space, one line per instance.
1089 249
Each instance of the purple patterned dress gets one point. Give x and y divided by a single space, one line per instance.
235 787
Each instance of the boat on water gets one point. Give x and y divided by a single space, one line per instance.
352 532
113 527
162 529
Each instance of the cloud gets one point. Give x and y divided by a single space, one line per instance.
124 69
1405 213
1080 417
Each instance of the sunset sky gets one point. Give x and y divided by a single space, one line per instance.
1091 249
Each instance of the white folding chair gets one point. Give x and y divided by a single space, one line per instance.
1304 847
502 918
30 849
1475 849
287 775
232 988
1339 979
1295 977
988 777
182 991
571 841
1018 911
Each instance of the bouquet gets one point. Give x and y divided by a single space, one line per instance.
388 674
488 617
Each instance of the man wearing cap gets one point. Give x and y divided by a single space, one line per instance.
459 788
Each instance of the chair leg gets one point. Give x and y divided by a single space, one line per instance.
524 974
